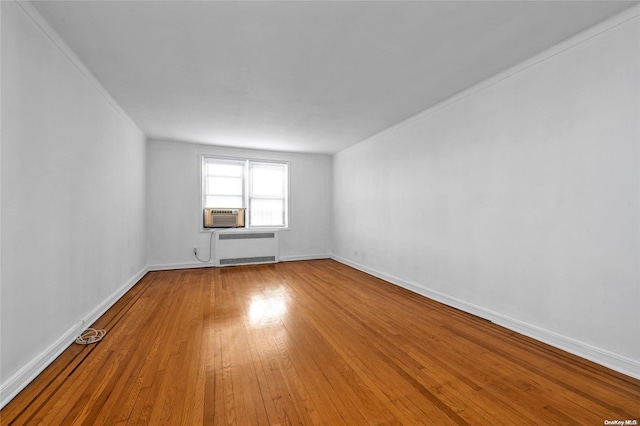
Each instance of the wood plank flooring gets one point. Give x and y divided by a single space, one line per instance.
312 342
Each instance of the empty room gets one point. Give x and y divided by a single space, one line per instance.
320 212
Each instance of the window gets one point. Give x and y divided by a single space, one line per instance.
261 187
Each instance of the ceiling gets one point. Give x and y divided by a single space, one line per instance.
308 76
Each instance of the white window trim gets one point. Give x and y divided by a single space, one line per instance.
247 160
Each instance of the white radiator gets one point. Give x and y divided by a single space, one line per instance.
245 247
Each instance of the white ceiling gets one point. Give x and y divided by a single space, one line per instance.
313 76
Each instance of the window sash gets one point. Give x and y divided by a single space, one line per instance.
230 176
267 212
267 194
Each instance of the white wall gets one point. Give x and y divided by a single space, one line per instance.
174 207
516 200
73 198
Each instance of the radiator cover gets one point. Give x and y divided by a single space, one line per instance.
244 247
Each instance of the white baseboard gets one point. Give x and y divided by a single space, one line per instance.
616 362
190 265
24 376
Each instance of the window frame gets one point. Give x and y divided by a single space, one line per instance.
247 190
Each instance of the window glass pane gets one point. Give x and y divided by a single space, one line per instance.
267 212
222 201
224 186
224 168
268 181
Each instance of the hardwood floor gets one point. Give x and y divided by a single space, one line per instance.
311 342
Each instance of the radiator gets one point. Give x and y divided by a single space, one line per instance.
234 247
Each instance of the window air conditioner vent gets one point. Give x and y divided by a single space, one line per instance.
223 218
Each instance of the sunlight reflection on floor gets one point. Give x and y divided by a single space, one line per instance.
267 309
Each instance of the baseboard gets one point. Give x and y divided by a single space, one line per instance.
16 383
611 360
190 265
304 257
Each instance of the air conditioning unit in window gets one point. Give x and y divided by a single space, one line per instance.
223 218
